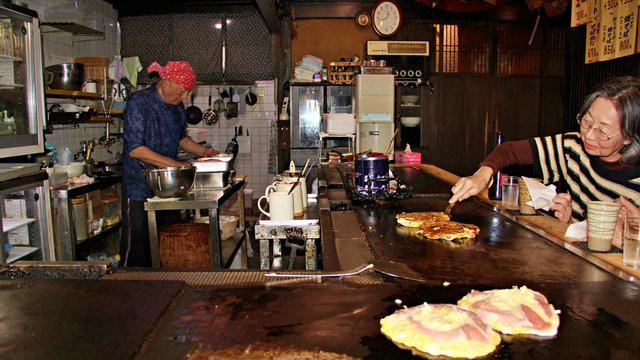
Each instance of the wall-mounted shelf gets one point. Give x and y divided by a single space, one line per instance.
71 94
73 28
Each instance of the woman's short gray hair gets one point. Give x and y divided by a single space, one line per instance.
624 92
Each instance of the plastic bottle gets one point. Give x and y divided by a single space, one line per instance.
67 157
495 190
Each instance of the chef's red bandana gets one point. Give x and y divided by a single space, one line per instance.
180 72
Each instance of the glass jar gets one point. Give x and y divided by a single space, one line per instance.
80 214
111 211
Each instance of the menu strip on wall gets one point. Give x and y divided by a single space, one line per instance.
611 31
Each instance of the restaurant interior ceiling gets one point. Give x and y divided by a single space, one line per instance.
273 11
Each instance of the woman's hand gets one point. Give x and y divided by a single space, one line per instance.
562 207
627 210
469 186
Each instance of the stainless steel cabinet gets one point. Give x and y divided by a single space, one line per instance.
26 219
21 83
69 214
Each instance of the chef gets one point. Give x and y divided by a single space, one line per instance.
600 162
154 128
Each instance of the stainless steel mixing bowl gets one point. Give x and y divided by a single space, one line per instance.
169 182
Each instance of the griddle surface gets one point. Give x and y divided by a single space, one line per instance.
595 321
79 319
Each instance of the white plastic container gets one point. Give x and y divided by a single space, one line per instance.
67 157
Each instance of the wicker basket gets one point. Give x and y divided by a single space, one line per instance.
185 246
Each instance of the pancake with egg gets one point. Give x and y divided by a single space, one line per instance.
431 330
514 311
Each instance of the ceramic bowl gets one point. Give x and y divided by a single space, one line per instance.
74 169
409 99
410 121
228 225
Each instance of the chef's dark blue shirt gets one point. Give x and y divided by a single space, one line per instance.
150 122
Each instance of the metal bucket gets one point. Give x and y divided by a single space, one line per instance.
370 167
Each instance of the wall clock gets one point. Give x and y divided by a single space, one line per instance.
363 19
387 18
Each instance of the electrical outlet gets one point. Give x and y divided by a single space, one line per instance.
260 91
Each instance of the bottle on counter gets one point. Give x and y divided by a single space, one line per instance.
495 190
67 157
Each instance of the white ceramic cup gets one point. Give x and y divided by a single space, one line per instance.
602 218
280 205
303 188
285 186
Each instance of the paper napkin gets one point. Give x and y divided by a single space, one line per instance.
541 195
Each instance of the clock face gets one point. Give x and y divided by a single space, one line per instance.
387 18
362 19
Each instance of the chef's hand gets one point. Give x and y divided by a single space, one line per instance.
627 210
561 207
469 186
208 152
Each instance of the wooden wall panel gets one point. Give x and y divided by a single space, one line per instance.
328 39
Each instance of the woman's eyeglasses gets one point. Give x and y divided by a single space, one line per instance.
586 125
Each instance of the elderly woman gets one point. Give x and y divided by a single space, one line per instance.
598 163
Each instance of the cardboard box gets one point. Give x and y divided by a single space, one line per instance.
19 236
15 208
412 158
402 157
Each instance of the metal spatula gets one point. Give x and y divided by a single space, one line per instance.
396 269
448 209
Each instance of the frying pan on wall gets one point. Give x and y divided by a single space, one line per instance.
250 97
194 114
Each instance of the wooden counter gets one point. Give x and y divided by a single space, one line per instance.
550 225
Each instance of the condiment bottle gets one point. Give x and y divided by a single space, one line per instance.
495 190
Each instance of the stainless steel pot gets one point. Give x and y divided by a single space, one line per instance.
170 182
69 76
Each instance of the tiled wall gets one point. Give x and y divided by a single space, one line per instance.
61 47
259 120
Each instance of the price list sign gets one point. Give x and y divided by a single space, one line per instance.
612 31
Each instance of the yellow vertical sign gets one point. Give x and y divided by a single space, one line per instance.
580 12
612 32
591 53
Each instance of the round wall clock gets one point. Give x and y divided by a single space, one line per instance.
363 19
387 17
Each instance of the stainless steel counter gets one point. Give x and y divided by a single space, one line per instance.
210 199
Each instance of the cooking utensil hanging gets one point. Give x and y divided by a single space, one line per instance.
194 114
250 97
232 106
210 116
219 104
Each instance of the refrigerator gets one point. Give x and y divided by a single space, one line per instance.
308 103
22 104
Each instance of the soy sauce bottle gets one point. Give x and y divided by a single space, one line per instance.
495 190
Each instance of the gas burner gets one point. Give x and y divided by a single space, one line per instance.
378 189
